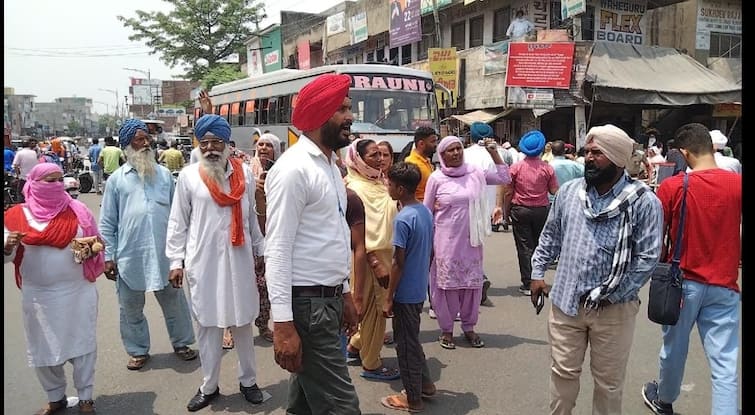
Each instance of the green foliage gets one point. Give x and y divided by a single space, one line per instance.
74 127
196 29
221 74
105 121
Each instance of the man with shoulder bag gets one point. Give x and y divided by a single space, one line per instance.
708 260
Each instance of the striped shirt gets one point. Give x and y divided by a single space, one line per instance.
531 180
585 248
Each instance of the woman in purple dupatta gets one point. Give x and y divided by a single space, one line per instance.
455 194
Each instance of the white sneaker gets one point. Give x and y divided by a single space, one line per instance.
431 312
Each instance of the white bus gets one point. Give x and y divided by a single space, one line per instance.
389 103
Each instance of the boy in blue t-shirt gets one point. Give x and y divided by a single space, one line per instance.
407 289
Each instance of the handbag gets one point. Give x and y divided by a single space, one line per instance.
665 298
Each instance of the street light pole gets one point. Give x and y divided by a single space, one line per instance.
149 82
116 97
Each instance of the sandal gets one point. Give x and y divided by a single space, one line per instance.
446 342
399 403
54 407
185 353
381 373
86 407
137 362
425 393
227 340
474 340
267 334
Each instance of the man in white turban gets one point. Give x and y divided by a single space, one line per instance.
723 162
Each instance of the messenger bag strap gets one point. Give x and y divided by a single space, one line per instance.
683 213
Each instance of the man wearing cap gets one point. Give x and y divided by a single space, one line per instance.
532 179
724 162
213 240
133 224
606 230
308 251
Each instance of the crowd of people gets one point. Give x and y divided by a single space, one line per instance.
329 249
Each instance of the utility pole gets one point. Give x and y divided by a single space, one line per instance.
438 37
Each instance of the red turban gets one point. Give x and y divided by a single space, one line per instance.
319 100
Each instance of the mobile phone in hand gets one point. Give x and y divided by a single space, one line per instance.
540 302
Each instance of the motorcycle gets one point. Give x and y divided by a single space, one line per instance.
81 172
11 191
71 185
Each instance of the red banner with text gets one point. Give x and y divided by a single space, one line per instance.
540 65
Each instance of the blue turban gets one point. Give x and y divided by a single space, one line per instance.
128 131
532 143
215 124
480 130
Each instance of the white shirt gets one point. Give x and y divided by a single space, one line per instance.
194 156
308 241
727 163
25 159
221 279
519 27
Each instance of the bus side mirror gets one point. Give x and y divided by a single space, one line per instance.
447 95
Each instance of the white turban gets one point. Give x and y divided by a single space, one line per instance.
274 140
613 142
719 139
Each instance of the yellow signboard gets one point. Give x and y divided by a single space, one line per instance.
444 67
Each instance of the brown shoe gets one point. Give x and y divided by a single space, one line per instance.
86 407
186 353
137 362
54 407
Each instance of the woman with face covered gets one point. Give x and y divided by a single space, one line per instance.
455 194
363 162
59 295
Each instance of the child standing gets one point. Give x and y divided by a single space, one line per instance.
407 289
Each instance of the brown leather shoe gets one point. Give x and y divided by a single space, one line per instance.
54 407
86 407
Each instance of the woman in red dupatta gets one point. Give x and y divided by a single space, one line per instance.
38 238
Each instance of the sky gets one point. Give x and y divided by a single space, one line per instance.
94 46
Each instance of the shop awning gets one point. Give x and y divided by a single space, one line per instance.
482 116
651 75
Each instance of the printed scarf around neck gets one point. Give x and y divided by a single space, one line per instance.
622 255
232 199
58 233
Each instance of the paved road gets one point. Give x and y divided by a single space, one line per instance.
508 376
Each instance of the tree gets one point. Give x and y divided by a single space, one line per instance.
211 30
221 74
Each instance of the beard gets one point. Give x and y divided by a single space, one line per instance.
595 176
331 135
143 160
215 168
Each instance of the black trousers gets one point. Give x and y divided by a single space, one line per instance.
411 357
527 223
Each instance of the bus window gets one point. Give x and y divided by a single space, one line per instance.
236 116
392 110
272 110
249 114
224 111
262 111
284 109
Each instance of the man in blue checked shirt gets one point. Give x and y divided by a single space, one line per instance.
606 230
134 226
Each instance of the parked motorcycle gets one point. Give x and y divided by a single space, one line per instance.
11 191
71 185
82 173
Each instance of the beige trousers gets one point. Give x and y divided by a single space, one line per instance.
609 333
369 338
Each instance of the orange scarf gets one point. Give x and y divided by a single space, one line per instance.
233 199
58 233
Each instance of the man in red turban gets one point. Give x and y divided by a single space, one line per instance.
308 251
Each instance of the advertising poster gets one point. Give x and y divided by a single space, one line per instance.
336 23
719 17
359 28
571 8
540 65
444 67
405 21
495 58
620 21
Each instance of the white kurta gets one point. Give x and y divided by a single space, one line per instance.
59 304
221 279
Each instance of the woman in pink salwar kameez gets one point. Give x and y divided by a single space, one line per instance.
455 194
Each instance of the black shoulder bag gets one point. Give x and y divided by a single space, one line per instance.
665 298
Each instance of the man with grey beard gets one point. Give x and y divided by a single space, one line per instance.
133 224
213 239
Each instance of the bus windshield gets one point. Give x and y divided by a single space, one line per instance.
391 111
